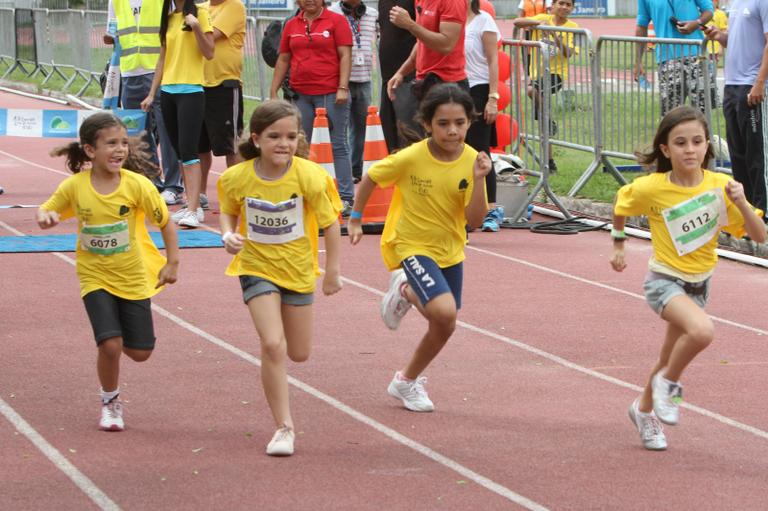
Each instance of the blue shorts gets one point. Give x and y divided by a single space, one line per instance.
256 286
660 289
428 280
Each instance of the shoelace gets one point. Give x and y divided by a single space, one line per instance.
283 433
417 386
114 409
652 427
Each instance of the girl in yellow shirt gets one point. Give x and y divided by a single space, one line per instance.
439 189
118 266
281 202
686 206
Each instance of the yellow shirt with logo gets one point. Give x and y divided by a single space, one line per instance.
650 195
131 274
558 64
720 21
183 60
426 215
229 19
292 265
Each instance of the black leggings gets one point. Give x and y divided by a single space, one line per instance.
481 135
183 115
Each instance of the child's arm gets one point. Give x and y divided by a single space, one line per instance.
617 260
168 272
753 224
47 219
478 206
332 280
233 240
354 225
526 22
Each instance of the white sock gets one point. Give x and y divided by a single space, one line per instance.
106 397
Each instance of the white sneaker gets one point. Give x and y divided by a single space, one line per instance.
649 427
204 201
666 399
411 392
170 197
178 215
282 442
394 306
190 220
112 416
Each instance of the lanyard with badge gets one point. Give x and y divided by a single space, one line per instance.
274 223
105 239
693 223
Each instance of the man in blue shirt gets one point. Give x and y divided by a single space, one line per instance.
680 73
744 105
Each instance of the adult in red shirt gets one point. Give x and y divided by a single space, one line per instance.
438 55
316 45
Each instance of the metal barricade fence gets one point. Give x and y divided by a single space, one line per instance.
629 108
257 76
7 35
532 116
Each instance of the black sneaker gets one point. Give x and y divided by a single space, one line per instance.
552 167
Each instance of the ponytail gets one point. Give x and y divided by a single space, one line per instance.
76 157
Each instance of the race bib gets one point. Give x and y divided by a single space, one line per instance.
274 223
691 224
105 239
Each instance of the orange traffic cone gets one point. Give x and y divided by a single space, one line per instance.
320 150
651 33
375 149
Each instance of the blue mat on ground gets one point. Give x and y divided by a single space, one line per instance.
66 242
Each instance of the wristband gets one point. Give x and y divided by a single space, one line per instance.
226 236
356 215
618 235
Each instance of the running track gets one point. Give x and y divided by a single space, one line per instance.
531 392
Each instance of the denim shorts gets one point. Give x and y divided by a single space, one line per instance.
428 280
256 286
660 289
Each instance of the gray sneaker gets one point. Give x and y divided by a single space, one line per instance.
667 397
649 427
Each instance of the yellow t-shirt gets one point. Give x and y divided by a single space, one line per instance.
426 215
229 19
124 262
290 264
183 60
719 20
650 195
558 64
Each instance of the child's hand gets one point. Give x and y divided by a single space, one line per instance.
483 165
167 274
735 191
331 282
354 230
617 260
233 243
47 219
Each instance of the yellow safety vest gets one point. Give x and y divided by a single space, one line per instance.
533 7
140 44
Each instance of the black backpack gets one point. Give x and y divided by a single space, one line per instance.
270 44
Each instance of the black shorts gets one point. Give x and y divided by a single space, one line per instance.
555 83
112 316
223 122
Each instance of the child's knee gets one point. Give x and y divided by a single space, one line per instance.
111 348
702 334
299 355
138 355
443 316
273 348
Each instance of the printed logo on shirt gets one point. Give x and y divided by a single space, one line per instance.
294 196
84 214
420 185
463 185
124 210
158 214
326 34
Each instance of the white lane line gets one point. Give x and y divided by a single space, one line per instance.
546 269
54 456
33 164
579 368
435 456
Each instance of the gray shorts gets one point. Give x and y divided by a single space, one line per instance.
257 286
660 289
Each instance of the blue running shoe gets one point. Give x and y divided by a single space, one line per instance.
493 219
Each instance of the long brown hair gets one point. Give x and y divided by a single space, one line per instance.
264 116
138 160
654 155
